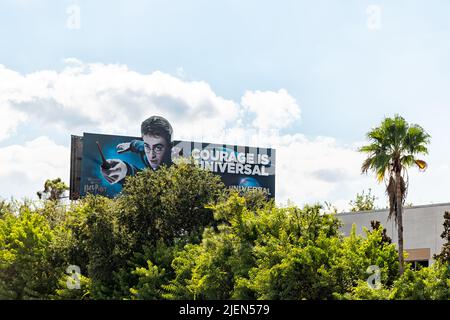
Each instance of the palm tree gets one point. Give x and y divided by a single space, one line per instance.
393 148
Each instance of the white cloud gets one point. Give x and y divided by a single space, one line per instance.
272 109
315 170
24 168
113 99
10 120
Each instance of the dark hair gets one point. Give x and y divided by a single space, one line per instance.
157 126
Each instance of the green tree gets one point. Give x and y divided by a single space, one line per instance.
156 273
429 283
167 204
121 243
4 207
375 225
64 292
265 252
444 255
106 249
218 266
53 190
363 202
359 253
393 148
27 270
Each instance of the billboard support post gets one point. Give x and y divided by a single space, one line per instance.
76 157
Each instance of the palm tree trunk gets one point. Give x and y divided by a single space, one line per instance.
399 216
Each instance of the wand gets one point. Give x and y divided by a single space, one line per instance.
105 164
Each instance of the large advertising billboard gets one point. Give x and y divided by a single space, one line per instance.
107 160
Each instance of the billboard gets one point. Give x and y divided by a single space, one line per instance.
100 163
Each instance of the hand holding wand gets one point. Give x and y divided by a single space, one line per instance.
105 164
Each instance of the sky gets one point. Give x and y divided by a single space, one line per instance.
308 78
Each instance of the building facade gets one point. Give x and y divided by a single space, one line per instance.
422 229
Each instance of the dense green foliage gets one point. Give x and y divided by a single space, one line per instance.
444 255
53 190
26 256
176 234
432 283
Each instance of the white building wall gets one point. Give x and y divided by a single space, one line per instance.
422 225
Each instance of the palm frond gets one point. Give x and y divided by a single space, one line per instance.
416 140
366 165
390 190
407 160
421 164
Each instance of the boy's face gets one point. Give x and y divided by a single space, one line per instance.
155 149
